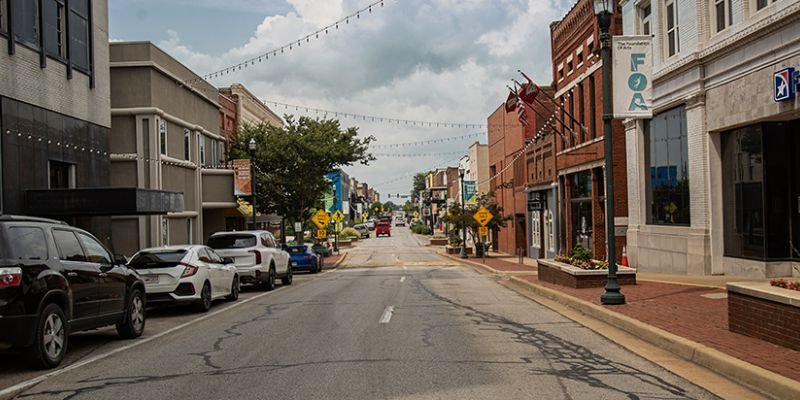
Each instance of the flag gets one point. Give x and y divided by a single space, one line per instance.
528 91
523 119
511 101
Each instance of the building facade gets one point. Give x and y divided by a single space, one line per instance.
164 135
580 154
479 166
714 181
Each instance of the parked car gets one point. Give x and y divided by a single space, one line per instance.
383 228
363 230
399 222
371 224
304 258
186 274
258 257
56 279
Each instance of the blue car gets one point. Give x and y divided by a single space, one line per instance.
304 259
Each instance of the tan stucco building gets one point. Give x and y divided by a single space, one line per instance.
165 135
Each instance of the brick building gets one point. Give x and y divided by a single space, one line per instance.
577 78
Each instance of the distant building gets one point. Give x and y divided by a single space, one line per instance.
165 136
479 166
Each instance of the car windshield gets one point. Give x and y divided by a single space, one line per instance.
298 249
231 241
157 259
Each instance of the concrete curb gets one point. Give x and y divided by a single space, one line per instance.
340 260
750 375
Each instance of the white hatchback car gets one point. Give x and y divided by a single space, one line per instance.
258 257
186 274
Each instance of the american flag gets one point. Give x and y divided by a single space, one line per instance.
523 119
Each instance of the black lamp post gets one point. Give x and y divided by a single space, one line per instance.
463 219
252 147
604 10
335 231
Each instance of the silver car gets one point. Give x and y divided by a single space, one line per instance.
258 257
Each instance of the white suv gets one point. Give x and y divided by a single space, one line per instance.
257 256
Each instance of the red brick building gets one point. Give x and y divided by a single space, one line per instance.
577 78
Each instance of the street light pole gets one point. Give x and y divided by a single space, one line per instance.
463 219
335 231
252 147
604 10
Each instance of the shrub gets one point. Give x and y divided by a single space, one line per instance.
351 232
321 250
421 229
783 283
581 253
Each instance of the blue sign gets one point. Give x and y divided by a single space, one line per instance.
784 84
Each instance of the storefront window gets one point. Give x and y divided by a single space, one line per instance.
743 177
667 159
581 199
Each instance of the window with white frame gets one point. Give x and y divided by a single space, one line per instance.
162 137
671 25
761 4
214 152
723 15
560 71
590 46
579 56
536 230
187 138
549 236
645 10
202 146
54 17
570 66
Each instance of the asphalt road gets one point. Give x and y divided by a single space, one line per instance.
413 328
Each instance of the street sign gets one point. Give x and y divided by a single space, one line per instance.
338 216
364 216
483 216
322 234
784 87
321 219
416 214
426 212
483 231
298 226
338 227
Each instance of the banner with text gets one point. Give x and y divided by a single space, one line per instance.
241 177
632 66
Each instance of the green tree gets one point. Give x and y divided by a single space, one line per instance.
389 206
375 206
419 185
291 161
409 207
483 200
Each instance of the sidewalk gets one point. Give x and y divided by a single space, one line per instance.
693 308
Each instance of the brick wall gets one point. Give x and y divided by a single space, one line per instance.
764 319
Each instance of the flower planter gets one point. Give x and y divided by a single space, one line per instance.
768 313
345 243
566 275
457 250
440 242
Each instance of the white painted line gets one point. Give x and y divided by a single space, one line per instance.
16 389
403 279
387 315
404 267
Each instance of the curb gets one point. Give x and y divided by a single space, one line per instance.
340 260
750 375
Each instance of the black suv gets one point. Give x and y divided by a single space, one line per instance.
56 279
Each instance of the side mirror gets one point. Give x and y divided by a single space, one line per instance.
227 260
120 259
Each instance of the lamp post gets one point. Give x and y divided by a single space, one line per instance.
463 219
335 231
252 147
604 10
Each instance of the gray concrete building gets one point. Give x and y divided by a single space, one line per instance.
165 136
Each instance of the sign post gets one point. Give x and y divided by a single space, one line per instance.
483 217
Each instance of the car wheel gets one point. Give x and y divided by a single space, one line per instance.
50 342
270 283
287 279
234 289
205 298
132 324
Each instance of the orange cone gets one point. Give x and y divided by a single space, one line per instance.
624 262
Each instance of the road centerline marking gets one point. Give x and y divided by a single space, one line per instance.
387 315
403 279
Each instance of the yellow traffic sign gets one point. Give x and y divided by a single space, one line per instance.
483 231
338 216
483 216
416 214
322 234
321 219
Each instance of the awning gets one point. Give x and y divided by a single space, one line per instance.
102 201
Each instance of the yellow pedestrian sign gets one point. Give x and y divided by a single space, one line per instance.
338 216
321 234
416 214
483 216
483 231
321 219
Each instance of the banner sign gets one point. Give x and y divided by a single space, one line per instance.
632 65
241 178
471 192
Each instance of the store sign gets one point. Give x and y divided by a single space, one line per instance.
785 84
537 201
632 66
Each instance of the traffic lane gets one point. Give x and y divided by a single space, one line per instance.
82 345
401 247
451 333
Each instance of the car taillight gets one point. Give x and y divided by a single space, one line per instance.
258 256
188 270
10 277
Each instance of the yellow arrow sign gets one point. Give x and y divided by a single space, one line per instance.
338 216
483 216
321 219
416 214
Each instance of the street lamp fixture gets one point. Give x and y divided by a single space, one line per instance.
252 147
463 219
604 10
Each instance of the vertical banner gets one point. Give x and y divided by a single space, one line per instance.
470 192
632 65
241 177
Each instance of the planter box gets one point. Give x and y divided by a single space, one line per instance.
566 275
345 243
765 312
457 250
440 242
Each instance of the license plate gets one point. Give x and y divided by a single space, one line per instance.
150 278
294 264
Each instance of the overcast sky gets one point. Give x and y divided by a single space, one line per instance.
432 60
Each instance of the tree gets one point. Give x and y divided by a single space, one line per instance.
483 200
389 206
291 161
419 185
375 206
410 207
